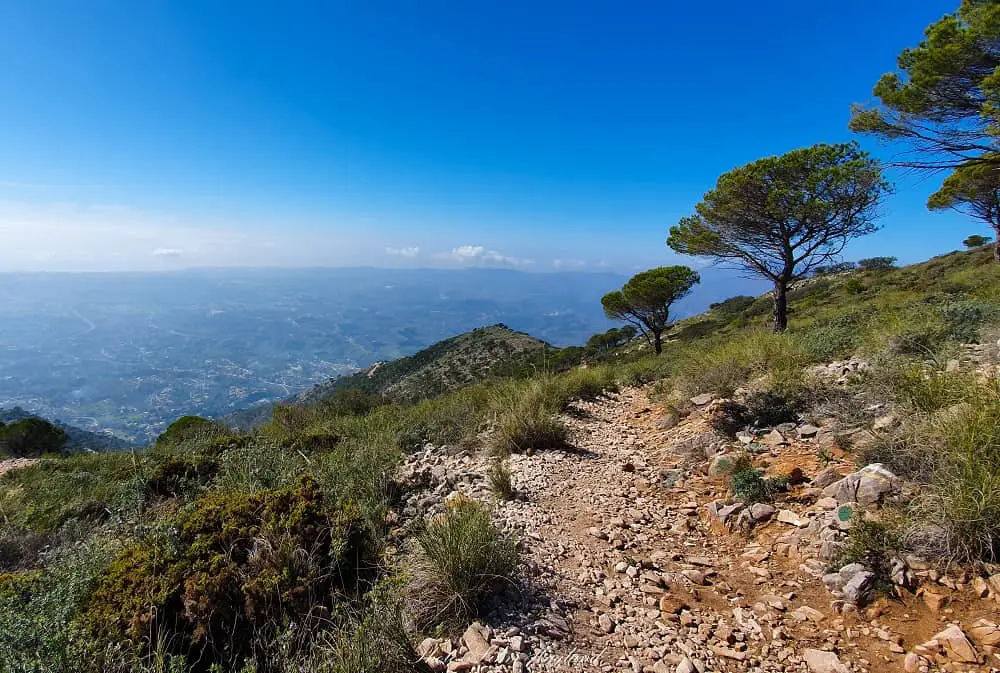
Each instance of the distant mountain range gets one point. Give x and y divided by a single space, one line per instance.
131 352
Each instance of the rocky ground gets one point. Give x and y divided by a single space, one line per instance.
638 559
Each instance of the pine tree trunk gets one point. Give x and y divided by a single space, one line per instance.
658 342
996 243
780 305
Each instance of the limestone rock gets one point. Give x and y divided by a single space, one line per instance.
985 633
821 661
826 476
951 644
858 590
867 486
476 641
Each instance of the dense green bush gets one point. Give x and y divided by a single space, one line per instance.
750 486
732 307
873 544
38 628
31 437
233 571
191 429
178 475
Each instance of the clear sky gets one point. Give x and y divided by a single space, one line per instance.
542 135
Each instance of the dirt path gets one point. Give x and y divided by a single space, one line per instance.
12 464
627 571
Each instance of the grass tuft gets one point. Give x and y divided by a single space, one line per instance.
462 558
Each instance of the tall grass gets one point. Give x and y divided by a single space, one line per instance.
958 518
462 558
737 361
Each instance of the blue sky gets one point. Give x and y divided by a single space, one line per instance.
541 135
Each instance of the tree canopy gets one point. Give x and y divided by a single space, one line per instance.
645 300
944 99
975 240
782 217
31 437
973 189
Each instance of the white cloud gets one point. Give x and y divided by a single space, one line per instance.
569 263
468 252
168 252
410 251
479 255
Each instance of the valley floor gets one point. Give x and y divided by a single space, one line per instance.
628 571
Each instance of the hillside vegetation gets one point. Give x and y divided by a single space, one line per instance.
286 548
493 351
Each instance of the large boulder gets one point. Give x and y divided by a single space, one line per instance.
867 486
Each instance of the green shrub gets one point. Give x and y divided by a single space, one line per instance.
526 430
964 318
237 568
750 486
836 338
38 632
873 544
877 263
732 307
173 476
919 387
194 429
461 560
373 638
31 437
740 462
762 409
854 286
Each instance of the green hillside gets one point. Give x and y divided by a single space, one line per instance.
442 367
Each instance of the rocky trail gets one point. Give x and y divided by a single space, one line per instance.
638 559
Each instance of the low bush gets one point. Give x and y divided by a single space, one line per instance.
762 409
191 429
732 307
877 263
750 486
371 639
526 430
919 387
462 558
873 544
177 475
963 319
234 569
38 629
31 437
